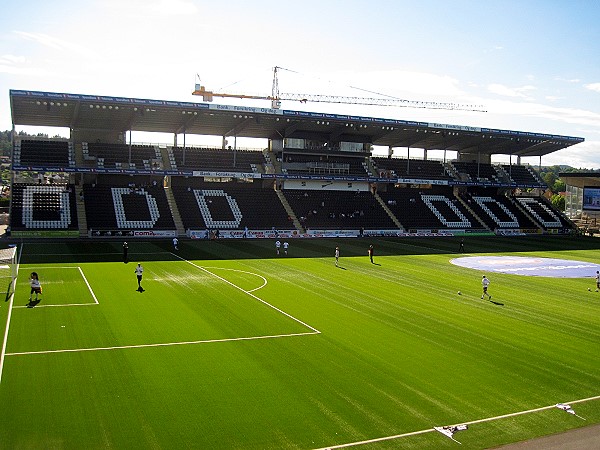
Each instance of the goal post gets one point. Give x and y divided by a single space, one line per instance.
8 270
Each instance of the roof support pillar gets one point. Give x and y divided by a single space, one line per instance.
390 151
234 148
183 158
129 161
408 160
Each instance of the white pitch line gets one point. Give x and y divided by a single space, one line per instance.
244 271
68 304
88 285
163 344
381 439
10 307
248 293
54 306
429 430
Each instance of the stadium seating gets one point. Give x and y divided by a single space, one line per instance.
49 153
497 211
232 205
109 207
324 165
43 207
338 210
428 211
477 172
216 159
414 168
522 175
543 213
117 156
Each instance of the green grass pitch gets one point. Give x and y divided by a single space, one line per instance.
230 346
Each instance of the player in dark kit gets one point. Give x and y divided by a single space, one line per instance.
371 253
125 250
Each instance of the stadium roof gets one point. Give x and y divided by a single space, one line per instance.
77 111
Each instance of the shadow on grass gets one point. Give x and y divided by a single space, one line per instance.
88 250
33 303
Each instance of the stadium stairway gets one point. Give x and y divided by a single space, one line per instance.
451 170
289 210
81 217
370 167
387 210
269 167
166 161
175 212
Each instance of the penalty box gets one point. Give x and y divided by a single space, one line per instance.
160 319
61 286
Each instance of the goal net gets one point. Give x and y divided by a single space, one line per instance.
8 270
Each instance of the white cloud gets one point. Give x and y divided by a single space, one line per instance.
521 92
567 80
541 111
12 59
30 71
53 42
19 65
581 156
593 87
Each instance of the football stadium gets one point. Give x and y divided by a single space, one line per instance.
193 296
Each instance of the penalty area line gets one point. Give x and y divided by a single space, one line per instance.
162 344
68 304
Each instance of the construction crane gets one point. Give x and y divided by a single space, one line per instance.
276 99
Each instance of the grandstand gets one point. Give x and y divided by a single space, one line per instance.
318 174
274 341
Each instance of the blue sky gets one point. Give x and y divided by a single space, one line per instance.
533 65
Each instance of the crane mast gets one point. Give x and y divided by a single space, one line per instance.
276 99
